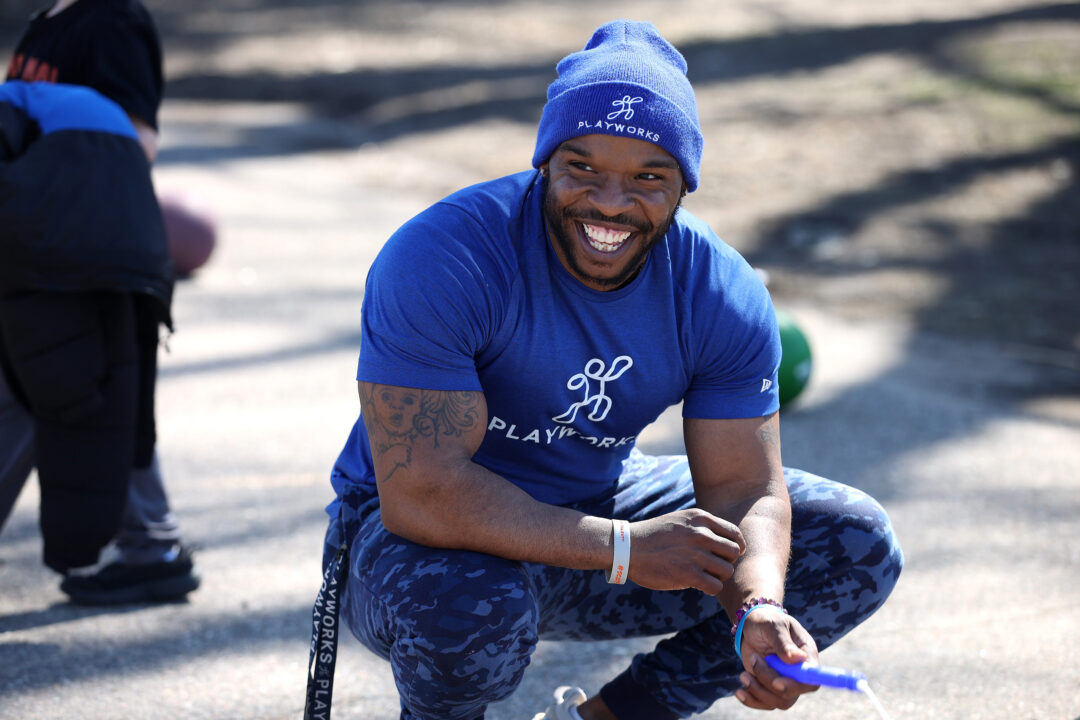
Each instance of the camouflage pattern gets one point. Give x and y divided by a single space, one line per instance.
459 627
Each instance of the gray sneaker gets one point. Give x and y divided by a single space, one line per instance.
567 699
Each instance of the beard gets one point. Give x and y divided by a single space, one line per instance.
558 220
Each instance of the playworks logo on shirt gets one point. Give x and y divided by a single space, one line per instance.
592 383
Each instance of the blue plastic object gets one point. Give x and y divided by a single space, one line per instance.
810 674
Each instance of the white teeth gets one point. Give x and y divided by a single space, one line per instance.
603 239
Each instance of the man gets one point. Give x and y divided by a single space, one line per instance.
111 46
525 331
84 281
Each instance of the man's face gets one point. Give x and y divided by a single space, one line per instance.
607 201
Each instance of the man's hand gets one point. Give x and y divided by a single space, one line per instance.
684 549
771 632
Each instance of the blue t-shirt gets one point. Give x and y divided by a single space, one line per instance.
469 296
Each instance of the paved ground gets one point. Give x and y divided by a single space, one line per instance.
872 183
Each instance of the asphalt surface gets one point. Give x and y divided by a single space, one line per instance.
257 394
972 446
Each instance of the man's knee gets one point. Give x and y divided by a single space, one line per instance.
846 558
467 662
458 627
876 558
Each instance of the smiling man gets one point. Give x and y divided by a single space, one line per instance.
608 202
540 322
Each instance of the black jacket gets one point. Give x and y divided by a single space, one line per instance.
77 205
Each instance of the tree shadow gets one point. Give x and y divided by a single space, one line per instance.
1017 283
372 105
1013 280
63 612
815 49
292 353
30 668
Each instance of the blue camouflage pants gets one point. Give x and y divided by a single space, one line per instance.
459 627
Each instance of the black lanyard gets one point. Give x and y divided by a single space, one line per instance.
324 638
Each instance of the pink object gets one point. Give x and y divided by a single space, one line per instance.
191 231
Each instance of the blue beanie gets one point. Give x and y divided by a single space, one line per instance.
629 82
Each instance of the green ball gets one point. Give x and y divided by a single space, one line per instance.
797 361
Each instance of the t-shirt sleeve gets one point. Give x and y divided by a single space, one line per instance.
737 346
431 300
124 61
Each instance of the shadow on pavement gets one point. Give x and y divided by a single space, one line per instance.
62 612
248 629
380 105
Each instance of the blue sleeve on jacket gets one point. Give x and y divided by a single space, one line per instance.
56 107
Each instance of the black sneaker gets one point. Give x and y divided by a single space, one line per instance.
119 583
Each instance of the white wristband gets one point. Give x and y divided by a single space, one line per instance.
620 559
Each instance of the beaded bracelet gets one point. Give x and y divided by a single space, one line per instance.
748 605
740 618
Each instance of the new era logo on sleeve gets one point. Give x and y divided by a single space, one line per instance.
766 384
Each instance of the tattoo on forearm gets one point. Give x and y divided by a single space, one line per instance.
770 433
397 418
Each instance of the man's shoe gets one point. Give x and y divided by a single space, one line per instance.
565 706
119 583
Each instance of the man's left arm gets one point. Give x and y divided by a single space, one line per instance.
738 476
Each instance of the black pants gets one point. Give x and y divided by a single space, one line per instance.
84 364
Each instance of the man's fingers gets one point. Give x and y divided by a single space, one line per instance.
755 695
708 584
687 548
727 549
718 568
725 532
719 545
792 653
778 683
743 696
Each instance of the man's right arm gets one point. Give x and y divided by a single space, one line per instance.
431 492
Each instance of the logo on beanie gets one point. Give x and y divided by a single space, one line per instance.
625 108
